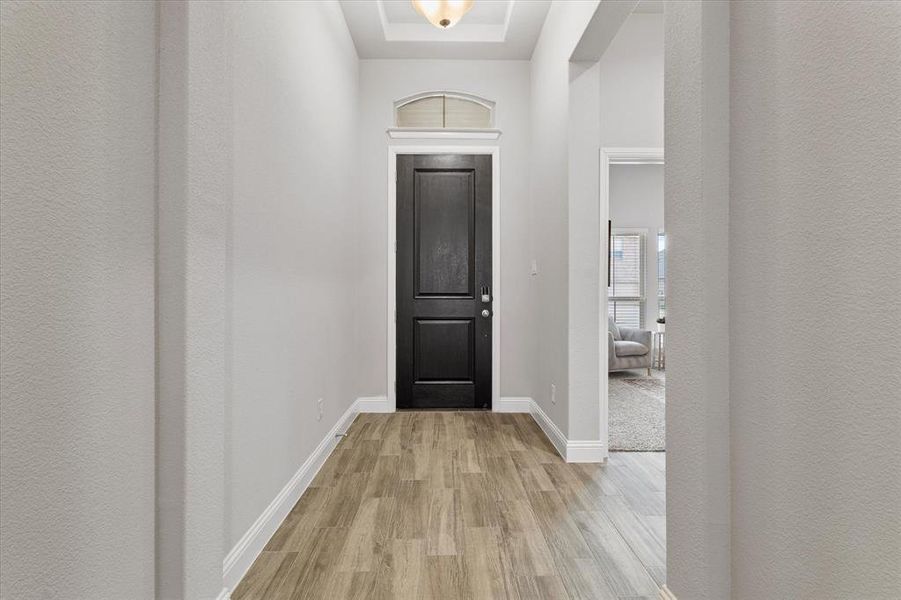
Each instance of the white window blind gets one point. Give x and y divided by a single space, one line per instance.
459 112
661 275
626 291
425 112
443 111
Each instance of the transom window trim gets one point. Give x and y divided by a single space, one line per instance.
445 95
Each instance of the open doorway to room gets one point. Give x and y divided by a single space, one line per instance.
632 343
635 299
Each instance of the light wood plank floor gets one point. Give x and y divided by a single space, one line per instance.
466 505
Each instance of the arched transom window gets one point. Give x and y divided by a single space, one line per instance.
444 110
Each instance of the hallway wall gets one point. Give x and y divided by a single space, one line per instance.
77 182
293 246
549 206
696 208
782 372
583 183
505 82
193 200
631 80
815 282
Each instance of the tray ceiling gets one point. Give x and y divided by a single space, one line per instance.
493 29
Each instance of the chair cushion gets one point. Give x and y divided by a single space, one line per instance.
629 349
613 328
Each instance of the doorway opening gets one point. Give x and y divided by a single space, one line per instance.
633 309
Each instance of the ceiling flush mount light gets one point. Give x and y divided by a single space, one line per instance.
443 13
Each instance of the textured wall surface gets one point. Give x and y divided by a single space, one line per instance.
815 277
505 82
194 196
549 200
293 251
77 182
696 207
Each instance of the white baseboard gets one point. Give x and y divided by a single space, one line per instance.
248 548
550 429
514 404
572 451
373 404
225 594
666 594
585 451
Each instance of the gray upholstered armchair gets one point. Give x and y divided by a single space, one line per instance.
628 348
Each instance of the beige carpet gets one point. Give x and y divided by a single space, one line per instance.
637 411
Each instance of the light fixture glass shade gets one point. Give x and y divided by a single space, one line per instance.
443 13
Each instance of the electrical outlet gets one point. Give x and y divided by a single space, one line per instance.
319 406
553 394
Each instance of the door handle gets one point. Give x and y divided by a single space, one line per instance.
486 294
486 313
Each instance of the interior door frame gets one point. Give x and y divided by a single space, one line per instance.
609 157
391 246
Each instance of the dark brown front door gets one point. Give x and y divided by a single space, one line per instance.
444 308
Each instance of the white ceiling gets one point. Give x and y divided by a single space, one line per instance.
493 29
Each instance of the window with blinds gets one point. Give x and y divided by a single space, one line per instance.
625 295
425 112
442 110
661 275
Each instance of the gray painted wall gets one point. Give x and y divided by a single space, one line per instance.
194 197
631 80
815 281
77 182
258 106
782 412
292 248
696 206
255 273
549 203
583 185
